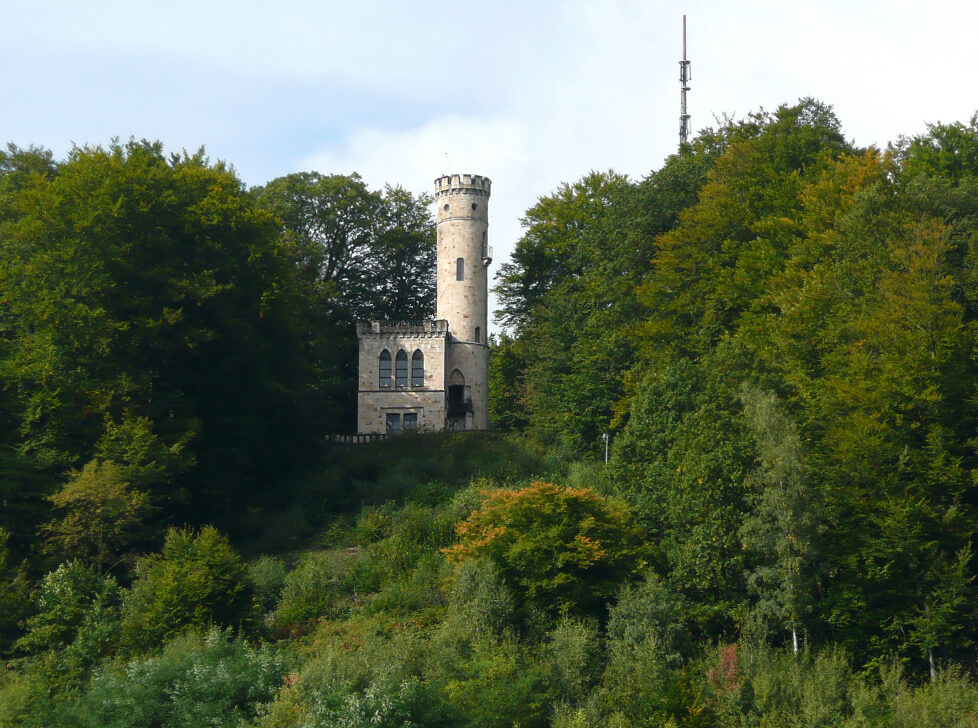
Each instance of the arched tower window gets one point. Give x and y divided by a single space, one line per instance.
417 369
460 269
478 335
400 369
385 368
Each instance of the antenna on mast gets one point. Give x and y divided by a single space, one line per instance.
685 75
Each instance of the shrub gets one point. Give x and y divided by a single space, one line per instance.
74 625
348 662
571 655
759 685
496 684
414 591
62 602
341 531
419 524
950 700
267 576
196 681
564 550
635 684
14 596
431 493
197 581
386 704
24 700
648 608
374 523
384 561
313 588
479 600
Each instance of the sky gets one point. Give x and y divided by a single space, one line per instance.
530 94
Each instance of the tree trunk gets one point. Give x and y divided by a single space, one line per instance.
930 660
794 639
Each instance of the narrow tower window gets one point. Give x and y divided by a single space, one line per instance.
417 369
385 368
478 335
460 269
400 369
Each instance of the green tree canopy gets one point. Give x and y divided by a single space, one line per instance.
147 296
198 580
373 252
100 513
565 550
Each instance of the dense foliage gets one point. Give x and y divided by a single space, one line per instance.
198 335
776 329
792 391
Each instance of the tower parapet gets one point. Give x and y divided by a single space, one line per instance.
473 184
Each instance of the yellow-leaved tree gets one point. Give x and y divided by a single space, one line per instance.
563 550
100 512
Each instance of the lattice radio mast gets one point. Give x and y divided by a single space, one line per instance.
685 75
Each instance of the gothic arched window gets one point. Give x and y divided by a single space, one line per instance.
400 369
460 269
417 369
385 368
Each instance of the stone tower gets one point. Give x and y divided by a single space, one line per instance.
463 295
434 375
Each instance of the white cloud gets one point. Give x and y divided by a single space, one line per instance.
414 157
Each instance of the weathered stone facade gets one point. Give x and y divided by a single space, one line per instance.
453 392
374 401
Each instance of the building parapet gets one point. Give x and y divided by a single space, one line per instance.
402 328
473 184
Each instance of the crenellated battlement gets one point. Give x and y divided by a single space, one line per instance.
471 184
402 328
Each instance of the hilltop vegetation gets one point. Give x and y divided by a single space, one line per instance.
776 328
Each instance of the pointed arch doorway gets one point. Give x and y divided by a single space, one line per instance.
459 401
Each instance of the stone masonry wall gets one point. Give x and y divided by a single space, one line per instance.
472 360
463 228
373 402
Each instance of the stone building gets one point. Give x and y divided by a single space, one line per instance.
433 375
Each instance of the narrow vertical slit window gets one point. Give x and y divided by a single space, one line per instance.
417 369
401 369
460 269
385 369
478 335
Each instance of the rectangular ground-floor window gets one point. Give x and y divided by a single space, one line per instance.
393 423
410 420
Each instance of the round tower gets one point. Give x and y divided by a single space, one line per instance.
463 294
